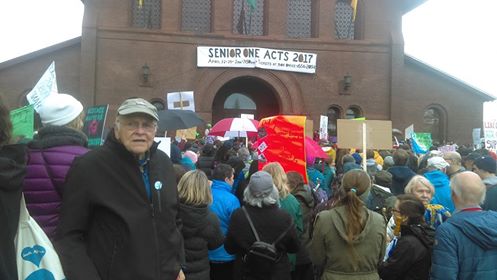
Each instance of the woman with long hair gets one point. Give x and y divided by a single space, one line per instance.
201 230
349 239
411 257
287 201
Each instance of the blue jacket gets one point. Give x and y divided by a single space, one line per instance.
466 247
224 203
401 175
442 189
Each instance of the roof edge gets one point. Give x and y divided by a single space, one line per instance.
23 58
416 62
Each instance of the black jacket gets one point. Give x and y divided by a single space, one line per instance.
269 222
206 164
201 232
411 258
401 175
12 171
108 228
307 203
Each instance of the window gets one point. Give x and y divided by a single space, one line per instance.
344 20
299 18
239 101
334 113
434 123
248 17
146 13
196 16
353 112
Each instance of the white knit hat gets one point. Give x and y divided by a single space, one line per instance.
59 109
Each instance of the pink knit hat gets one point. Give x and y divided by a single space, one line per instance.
191 155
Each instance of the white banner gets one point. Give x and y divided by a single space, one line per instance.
44 87
323 127
181 100
490 124
247 57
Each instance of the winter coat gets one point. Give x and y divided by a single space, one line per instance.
306 201
206 164
315 176
466 247
329 245
401 175
12 171
201 231
270 222
292 206
109 228
50 156
224 203
491 194
411 258
442 189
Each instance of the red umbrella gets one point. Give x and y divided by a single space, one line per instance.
313 150
235 127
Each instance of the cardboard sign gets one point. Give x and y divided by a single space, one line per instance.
309 128
44 87
350 134
189 133
94 124
23 121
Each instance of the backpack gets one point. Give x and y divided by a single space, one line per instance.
261 256
380 201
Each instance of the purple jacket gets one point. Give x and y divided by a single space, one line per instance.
49 159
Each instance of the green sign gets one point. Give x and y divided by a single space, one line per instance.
424 140
23 121
94 124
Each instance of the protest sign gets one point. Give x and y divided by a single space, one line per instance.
378 134
23 121
323 127
490 125
94 124
182 100
45 86
164 144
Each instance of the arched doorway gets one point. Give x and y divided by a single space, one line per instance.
245 95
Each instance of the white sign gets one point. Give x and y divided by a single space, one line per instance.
247 116
476 137
246 57
181 100
409 131
44 87
323 127
448 148
490 124
164 144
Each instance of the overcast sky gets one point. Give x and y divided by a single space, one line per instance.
458 37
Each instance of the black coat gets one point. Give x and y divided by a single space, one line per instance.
108 227
206 164
411 258
201 232
12 171
269 222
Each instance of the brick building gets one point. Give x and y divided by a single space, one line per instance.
148 48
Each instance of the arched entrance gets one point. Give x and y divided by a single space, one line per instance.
245 95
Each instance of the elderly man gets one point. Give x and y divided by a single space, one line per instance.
466 244
455 161
119 217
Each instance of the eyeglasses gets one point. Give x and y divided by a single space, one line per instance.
134 125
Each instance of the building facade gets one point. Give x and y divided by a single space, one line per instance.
148 48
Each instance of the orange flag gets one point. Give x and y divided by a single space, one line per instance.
353 3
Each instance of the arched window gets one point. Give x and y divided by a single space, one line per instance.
159 104
196 16
344 20
299 19
334 113
248 17
146 13
434 123
353 112
240 102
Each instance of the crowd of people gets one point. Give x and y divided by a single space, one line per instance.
215 210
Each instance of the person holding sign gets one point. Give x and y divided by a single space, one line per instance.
12 171
119 217
50 155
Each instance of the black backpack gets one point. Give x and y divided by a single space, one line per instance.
261 256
